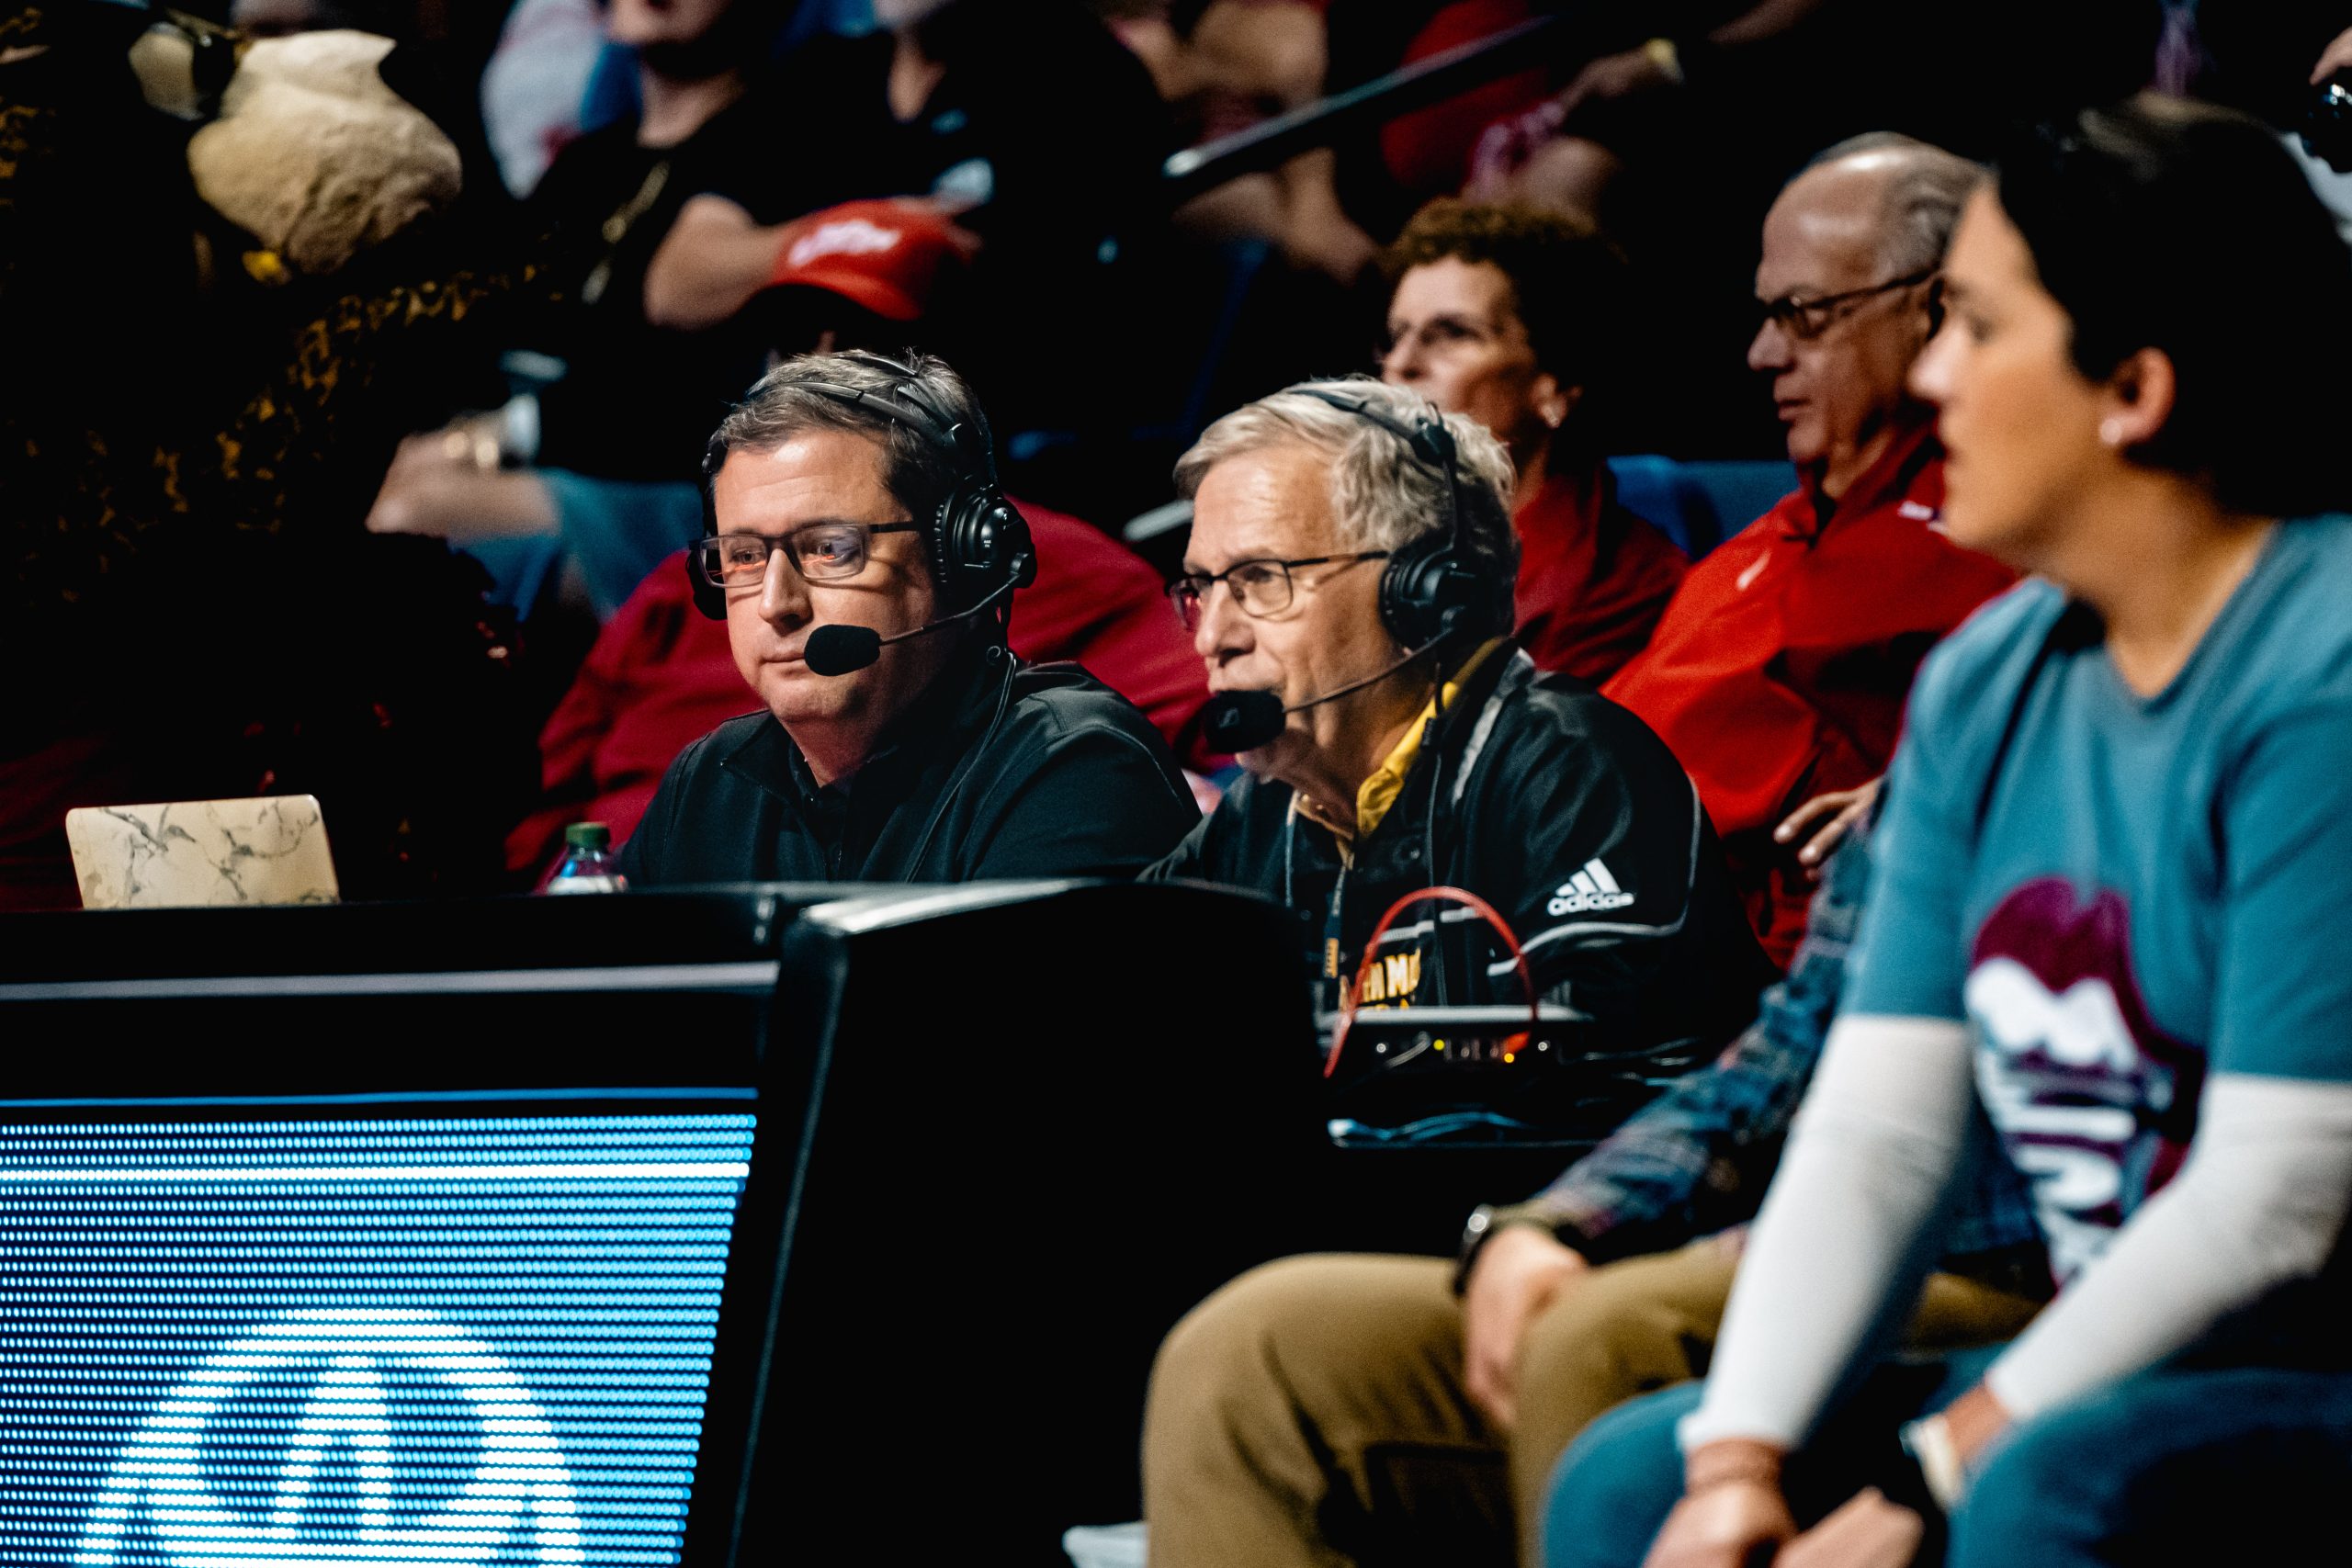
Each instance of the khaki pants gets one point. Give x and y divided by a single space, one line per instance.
1312 1411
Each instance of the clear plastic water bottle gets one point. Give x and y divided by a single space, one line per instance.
589 864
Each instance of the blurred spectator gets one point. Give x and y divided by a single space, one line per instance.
1514 317
535 84
1028 125
1388 172
1238 62
708 120
569 518
1778 672
839 487
548 532
2118 816
1567 151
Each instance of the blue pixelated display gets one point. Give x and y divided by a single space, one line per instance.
469 1343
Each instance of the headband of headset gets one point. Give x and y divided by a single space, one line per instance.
1430 591
975 538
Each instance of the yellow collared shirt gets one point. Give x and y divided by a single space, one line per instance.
1378 793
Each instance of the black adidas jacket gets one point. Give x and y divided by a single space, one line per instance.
1068 780
1562 810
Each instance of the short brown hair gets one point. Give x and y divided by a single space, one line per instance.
806 393
1568 281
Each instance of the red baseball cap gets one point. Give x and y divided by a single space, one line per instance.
885 255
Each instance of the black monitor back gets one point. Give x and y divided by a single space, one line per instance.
1043 1123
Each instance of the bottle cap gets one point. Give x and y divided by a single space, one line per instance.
588 836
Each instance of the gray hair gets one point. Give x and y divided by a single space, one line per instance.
917 471
1383 494
1924 195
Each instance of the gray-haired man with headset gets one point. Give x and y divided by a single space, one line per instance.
1349 585
865 560
1349 582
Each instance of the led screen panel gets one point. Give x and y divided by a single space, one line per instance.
463 1341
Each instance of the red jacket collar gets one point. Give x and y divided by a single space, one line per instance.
1893 477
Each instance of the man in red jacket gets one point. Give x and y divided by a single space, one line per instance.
1778 672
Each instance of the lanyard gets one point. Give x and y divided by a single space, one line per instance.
1332 940
1335 985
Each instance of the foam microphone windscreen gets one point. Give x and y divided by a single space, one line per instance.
835 649
1240 721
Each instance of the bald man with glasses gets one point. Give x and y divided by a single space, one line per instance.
1779 670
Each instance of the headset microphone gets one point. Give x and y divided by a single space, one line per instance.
837 648
1243 721
1240 721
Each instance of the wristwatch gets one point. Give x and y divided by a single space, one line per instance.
1487 1218
1475 1232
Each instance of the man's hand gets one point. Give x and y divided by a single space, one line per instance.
447 483
2336 56
1867 1533
1731 1524
1821 824
1520 1271
1614 76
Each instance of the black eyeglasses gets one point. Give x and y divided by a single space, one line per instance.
820 552
1258 587
1805 320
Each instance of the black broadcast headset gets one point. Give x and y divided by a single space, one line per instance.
978 542
1430 593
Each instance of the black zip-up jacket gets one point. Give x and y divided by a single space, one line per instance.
1560 808
1070 781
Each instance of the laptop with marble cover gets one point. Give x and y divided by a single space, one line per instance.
182 853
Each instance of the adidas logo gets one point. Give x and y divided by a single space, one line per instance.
1588 890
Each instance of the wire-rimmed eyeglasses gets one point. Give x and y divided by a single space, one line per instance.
1258 587
1805 318
820 552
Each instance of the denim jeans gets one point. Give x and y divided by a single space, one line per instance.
1617 1484
2179 1465
2184 1465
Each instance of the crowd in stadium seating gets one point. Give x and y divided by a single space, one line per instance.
1983 794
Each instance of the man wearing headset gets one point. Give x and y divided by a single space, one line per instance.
1349 585
1351 555
865 560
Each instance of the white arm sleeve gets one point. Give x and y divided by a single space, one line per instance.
2260 1202
1846 1226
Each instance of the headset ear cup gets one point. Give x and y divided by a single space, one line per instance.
979 536
1417 589
1013 546
1427 596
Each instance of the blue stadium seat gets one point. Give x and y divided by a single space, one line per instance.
1699 505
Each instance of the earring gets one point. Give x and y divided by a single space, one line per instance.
2110 429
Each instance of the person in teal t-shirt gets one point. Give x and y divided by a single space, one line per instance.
2117 845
